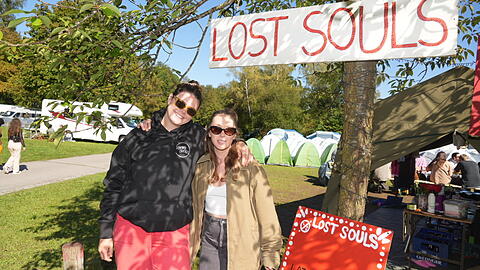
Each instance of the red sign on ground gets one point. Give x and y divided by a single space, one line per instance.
322 241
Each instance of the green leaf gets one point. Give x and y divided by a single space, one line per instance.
103 134
84 34
86 7
117 43
46 21
57 30
14 23
1 35
111 10
14 11
37 22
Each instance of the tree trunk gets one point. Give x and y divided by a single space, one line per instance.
347 191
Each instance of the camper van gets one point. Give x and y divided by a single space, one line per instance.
122 114
26 116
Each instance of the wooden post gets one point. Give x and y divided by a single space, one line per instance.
72 256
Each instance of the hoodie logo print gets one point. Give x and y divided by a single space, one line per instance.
182 150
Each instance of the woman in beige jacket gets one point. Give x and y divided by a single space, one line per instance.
235 222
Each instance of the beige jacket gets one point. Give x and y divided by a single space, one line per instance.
254 235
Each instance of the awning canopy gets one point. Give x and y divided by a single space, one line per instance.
424 116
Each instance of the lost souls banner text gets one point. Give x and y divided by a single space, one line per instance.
345 31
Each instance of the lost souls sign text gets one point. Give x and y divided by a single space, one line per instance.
322 241
345 31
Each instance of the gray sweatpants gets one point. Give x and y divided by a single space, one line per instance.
213 253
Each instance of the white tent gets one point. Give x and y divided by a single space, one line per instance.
279 132
268 143
294 143
321 144
449 150
325 135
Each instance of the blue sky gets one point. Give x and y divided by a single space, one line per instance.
189 36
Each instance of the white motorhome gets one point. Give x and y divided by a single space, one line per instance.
26 116
123 115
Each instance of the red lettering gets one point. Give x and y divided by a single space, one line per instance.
385 30
352 19
275 38
438 20
314 31
262 37
244 40
394 30
214 48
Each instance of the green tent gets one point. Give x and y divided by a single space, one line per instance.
307 156
256 148
280 155
328 152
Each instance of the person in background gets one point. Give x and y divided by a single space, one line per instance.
469 171
455 158
15 146
421 164
442 170
1 133
235 225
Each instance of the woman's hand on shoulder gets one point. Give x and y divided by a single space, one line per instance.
145 125
244 154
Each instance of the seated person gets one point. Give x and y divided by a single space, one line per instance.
469 170
442 170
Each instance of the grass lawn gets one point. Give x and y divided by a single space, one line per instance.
34 223
44 150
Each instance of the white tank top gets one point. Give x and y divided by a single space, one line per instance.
216 200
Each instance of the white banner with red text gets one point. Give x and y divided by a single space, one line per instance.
345 31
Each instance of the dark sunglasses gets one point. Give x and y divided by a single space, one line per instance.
228 131
182 105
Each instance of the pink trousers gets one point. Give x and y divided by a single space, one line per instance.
138 249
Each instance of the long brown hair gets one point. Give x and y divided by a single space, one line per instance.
15 127
231 161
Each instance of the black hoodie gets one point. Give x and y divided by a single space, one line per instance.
149 179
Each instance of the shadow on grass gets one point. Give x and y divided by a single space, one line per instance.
75 219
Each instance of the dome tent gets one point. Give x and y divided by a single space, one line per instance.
325 135
307 156
328 152
280 155
268 143
294 144
257 150
279 132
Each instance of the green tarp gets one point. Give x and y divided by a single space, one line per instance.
307 156
280 155
424 116
257 150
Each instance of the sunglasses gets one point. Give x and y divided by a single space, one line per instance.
228 131
182 105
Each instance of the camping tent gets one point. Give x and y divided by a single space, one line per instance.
429 115
268 143
257 150
328 152
280 155
325 135
294 144
321 144
279 132
307 156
